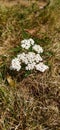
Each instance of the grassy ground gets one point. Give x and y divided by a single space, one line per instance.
30 102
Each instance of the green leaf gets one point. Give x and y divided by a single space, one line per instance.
25 34
27 73
16 49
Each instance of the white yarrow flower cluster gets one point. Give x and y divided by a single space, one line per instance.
31 60
38 48
15 64
41 67
26 43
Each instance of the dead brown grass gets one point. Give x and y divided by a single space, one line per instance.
33 103
14 2
9 3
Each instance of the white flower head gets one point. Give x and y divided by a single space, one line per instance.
32 60
37 48
41 67
30 56
15 64
26 43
